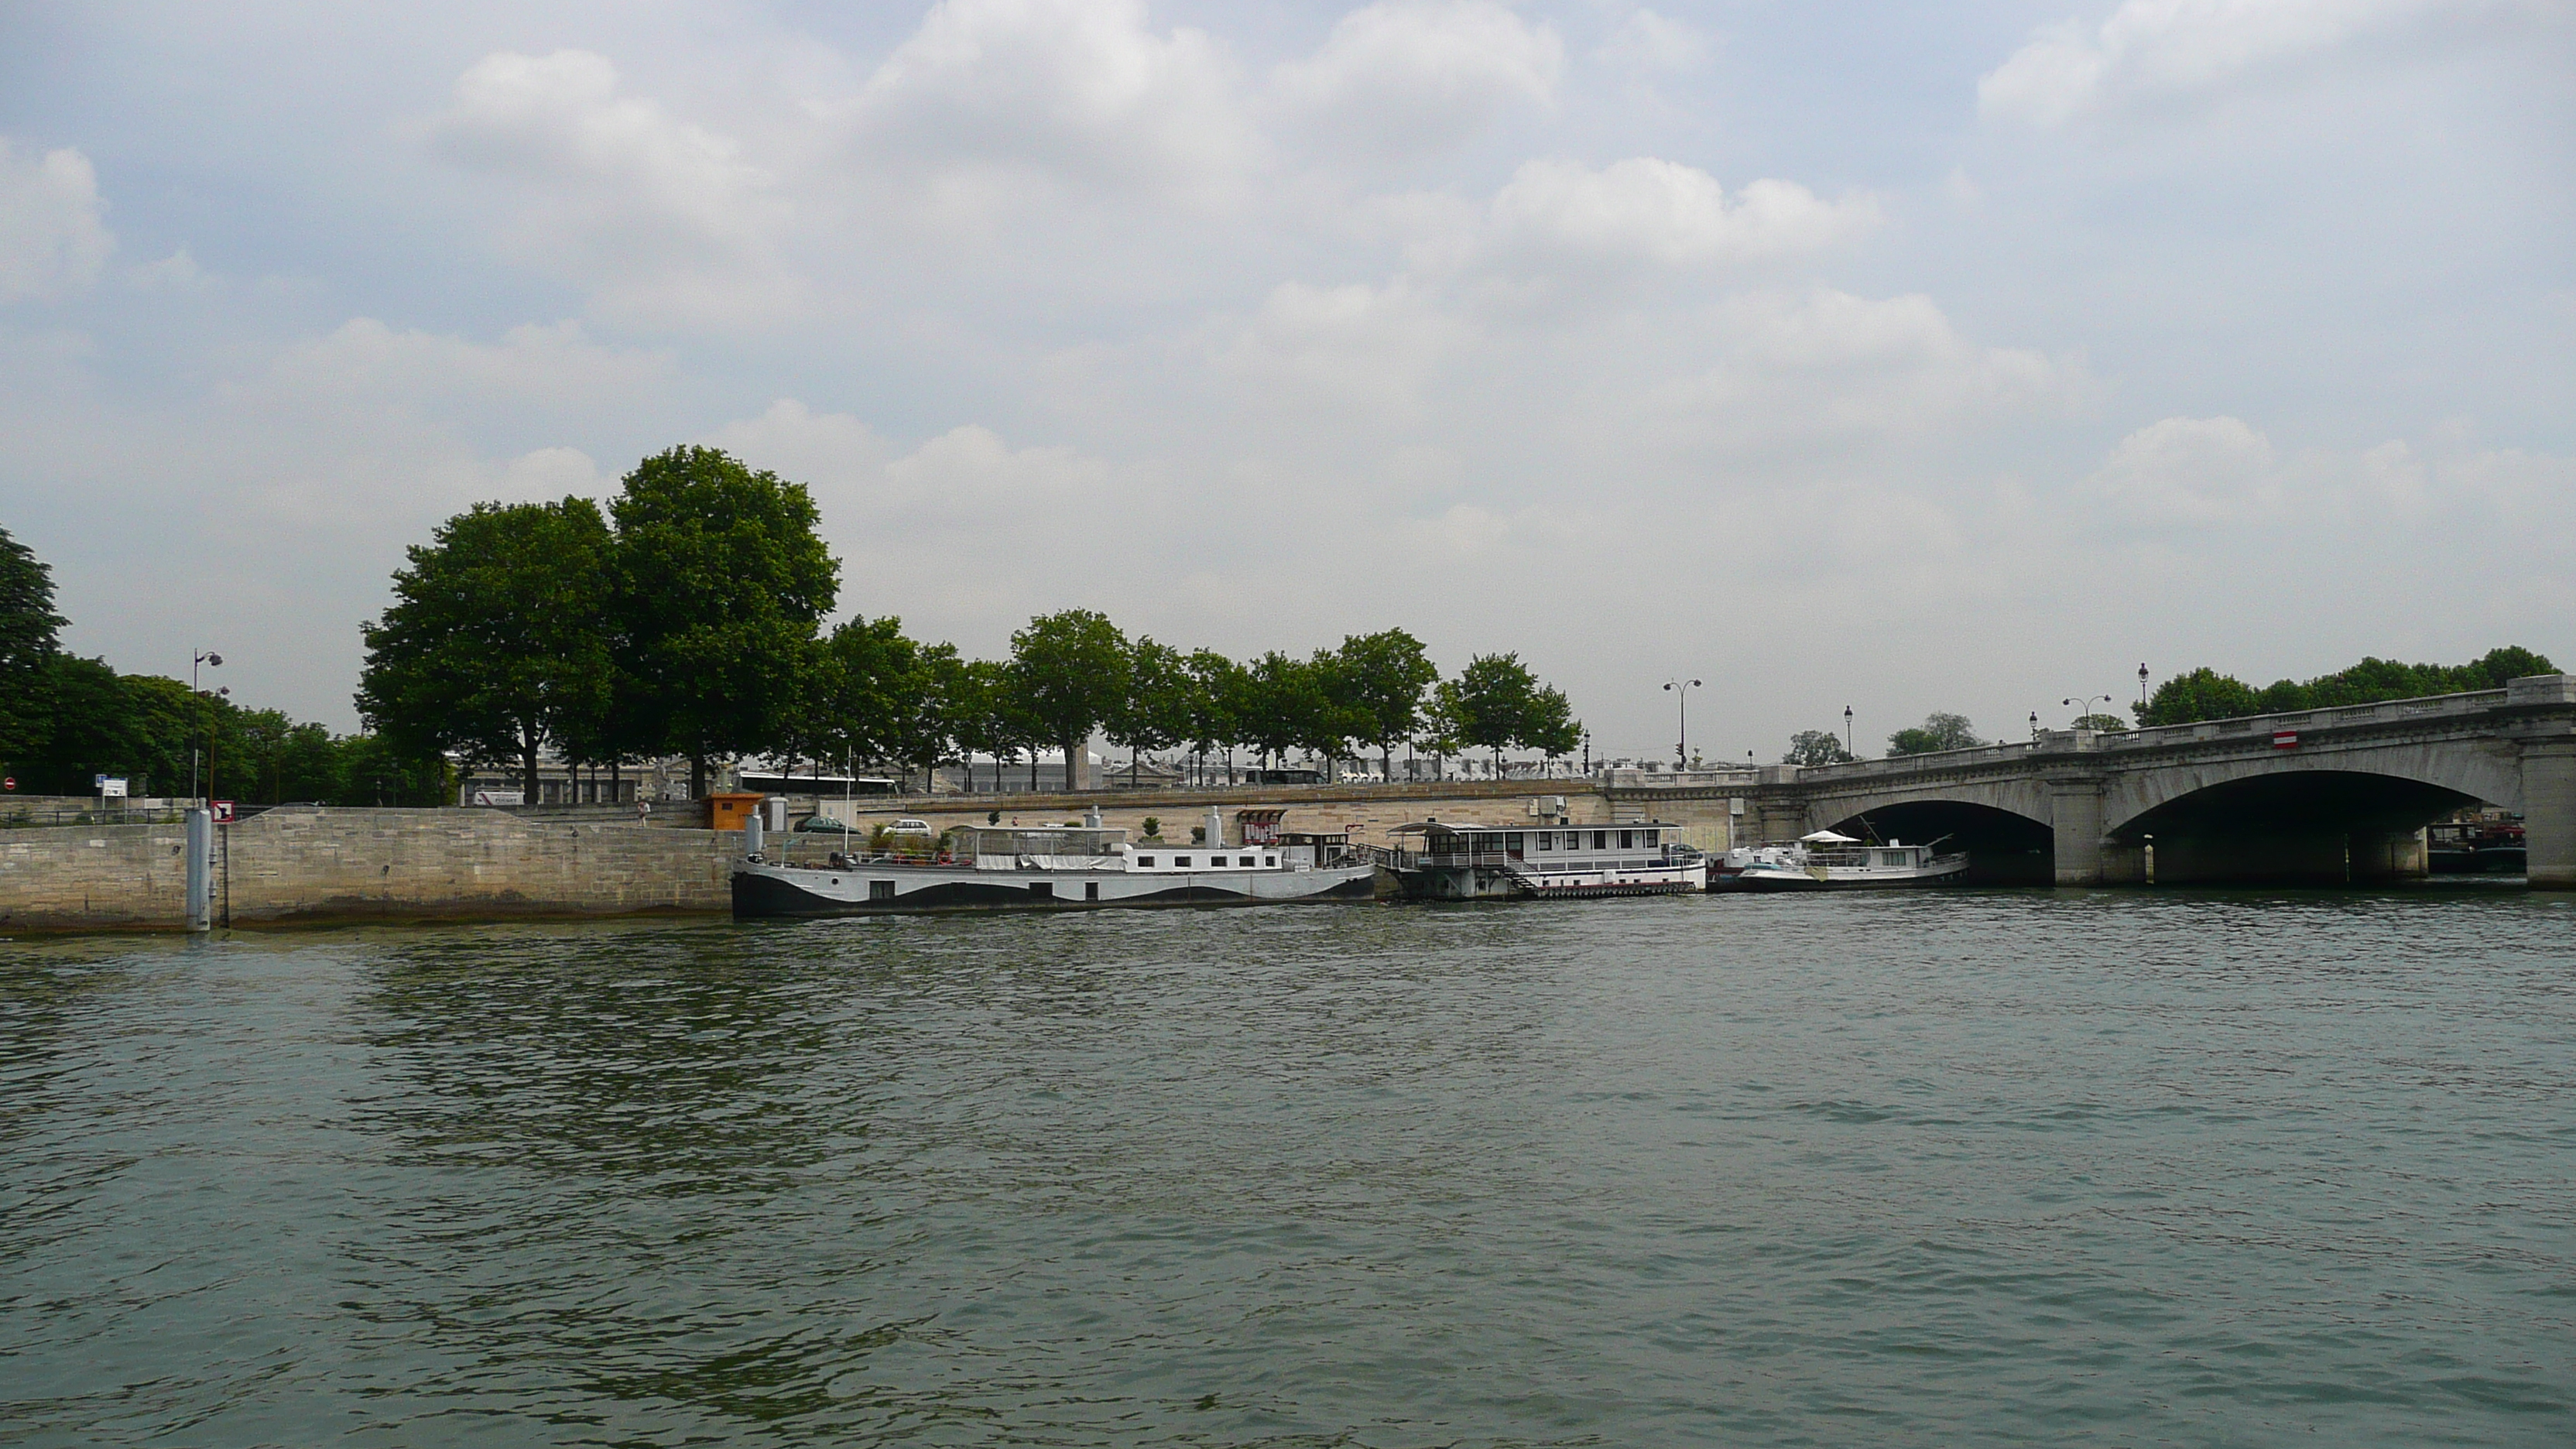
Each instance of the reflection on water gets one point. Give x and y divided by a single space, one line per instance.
1963 1167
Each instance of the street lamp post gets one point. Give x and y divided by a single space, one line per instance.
203 657
2142 693
2083 703
1847 733
1682 688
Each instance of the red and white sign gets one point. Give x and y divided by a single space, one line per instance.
9 784
2285 739
223 811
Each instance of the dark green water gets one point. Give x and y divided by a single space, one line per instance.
1963 1168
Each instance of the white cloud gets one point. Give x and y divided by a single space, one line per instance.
1409 75
1648 41
665 218
52 240
2152 47
1661 211
989 95
552 366
1827 364
2188 472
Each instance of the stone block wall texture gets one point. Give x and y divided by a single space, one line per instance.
319 864
335 864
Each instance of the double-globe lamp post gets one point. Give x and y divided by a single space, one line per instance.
203 658
1681 689
2083 704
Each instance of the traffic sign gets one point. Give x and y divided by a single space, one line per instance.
223 811
9 784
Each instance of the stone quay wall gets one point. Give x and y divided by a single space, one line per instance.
308 864
303 863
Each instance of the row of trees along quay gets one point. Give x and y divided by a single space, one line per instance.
688 621
2205 694
66 720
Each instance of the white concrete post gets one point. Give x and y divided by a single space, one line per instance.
1216 827
751 835
201 870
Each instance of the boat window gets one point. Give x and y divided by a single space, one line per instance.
1246 860
1180 860
1601 840
1145 860
1627 840
1547 840
1512 842
1651 837
1269 860
880 890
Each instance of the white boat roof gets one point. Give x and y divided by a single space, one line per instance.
1827 837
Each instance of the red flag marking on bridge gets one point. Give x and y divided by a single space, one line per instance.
2285 739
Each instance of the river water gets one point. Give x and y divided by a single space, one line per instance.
1947 1168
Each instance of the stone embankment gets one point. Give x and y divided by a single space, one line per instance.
312 864
483 865
317 864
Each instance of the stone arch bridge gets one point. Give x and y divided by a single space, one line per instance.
2321 795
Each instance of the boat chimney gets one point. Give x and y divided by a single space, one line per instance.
1091 817
1216 827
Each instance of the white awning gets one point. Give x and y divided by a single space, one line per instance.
1827 837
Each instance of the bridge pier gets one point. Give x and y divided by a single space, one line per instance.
2549 813
2075 818
2388 855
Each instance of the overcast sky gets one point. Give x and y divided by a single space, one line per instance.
1907 357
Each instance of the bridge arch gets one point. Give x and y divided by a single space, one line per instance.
2005 847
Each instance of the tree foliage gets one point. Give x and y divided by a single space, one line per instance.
29 629
495 645
1498 704
1938 732
1817 747
1384 679
1069 671
1153 709
2205 694
720 585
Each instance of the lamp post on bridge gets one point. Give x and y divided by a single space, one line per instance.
2083 704
1847 733
1681 688
2142 694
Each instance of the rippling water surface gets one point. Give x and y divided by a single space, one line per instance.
1962 1168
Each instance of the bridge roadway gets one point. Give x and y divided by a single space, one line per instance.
2318 796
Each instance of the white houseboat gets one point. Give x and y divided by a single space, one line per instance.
1507 862
1056 867
1826 860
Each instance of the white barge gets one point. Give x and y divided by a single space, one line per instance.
1563 862
1830 861
1056 867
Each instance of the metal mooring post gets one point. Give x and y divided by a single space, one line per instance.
751 841
201 870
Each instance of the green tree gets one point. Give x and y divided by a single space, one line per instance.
1218 689
1499 704
29 635
495 645
1443 731
2106 723
1817 747
1938 732
721 585
1068 673
1282 695
1384 679
2202 694
1153 711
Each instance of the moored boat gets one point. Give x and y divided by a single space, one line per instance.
1826 860
1510 862
1055 867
